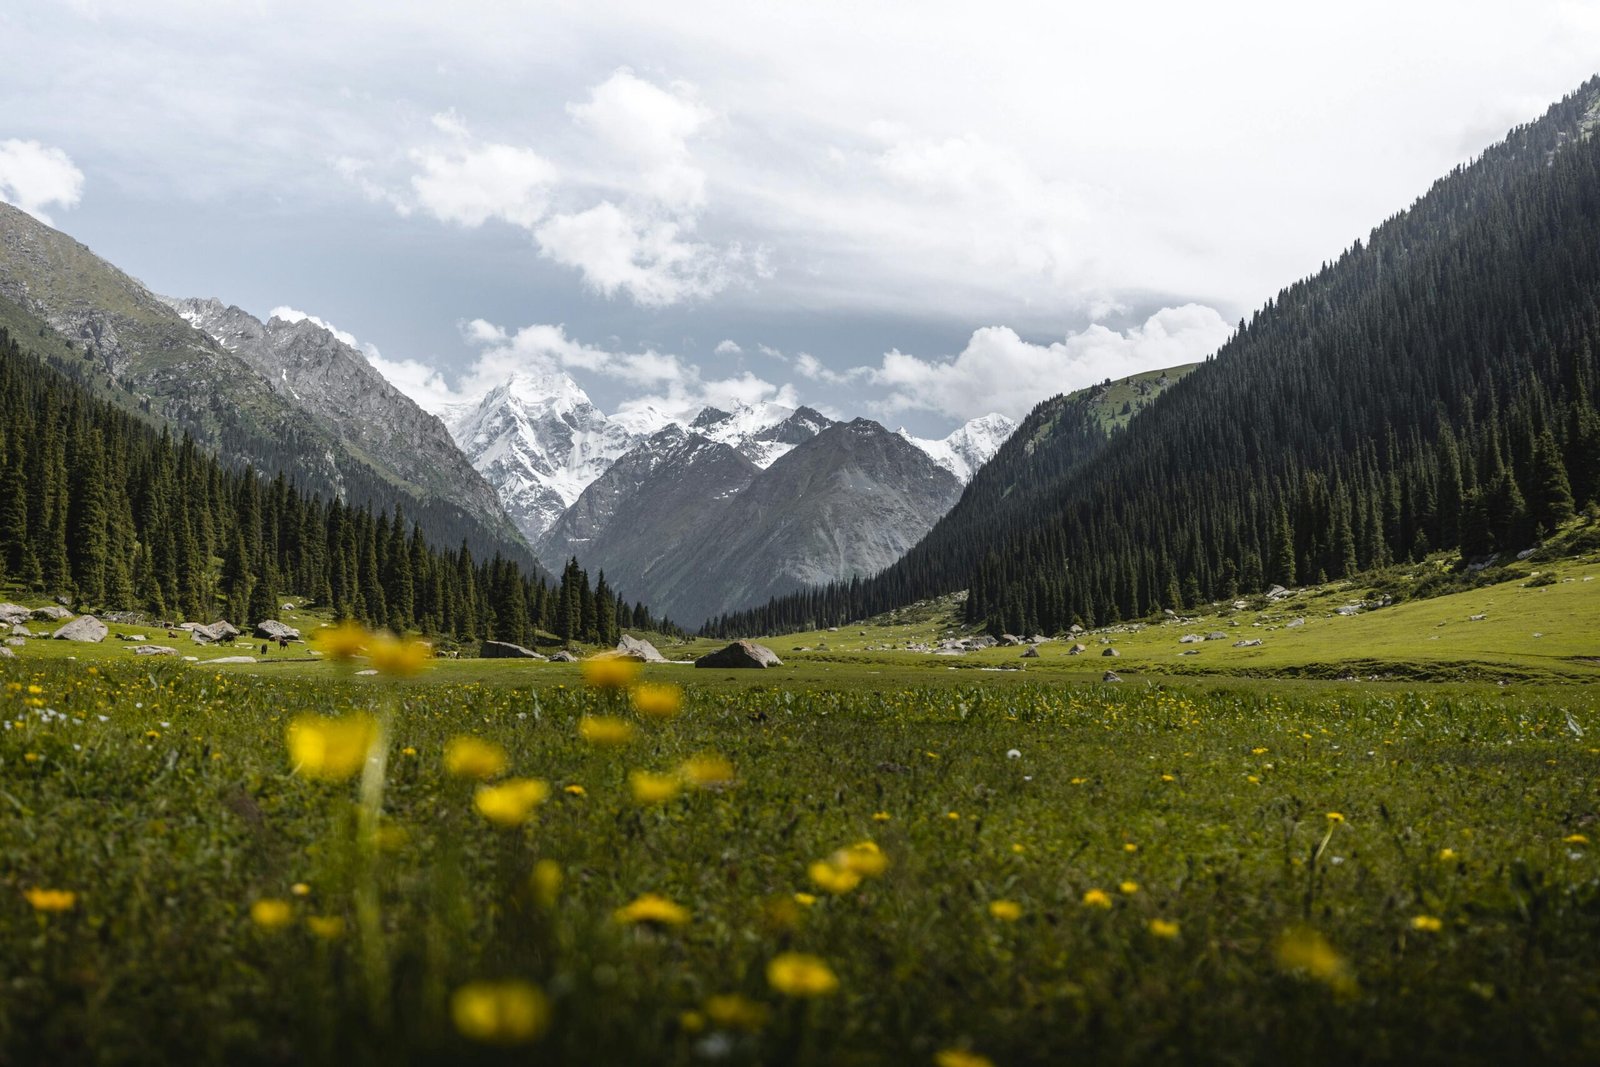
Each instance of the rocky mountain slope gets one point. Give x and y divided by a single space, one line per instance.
969 447
128 344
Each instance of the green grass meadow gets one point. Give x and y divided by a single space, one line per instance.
1252 864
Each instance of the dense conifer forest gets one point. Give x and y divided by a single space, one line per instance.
99 506
1433 389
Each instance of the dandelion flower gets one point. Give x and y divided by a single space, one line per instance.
576 791
510 803
1306 952
1006 911
1335 817
734 1012
881 816
342 642
796 974
500 1013
1427 923
471 757
1130 847
805 900
707 771
652 908
326 927
1097 898
960 1057
1129 888
651 788
1165 929
1446 855
1168 778
833 879
399 656
659 702
1575 839
51 900
300 889
605 730
270 913
864 858
609 671
330 749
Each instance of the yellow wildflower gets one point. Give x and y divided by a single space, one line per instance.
960 1057
1575 839
500 1013
656 701
576 790
881 816
270 913
408 751
691 1022
546 881
342 642
953 815
1168 778
1258 751
1335 817
651 788
1007 911
605 730
1427 923
833 879
1097 898
795 974
652 908
1129 888
1446 855
51 900
609 671
864 858
471 757
326 927
300 889
331 749
1129 846
707 771
1305 951
1165 929
805 899
734 1012
510 802
399 656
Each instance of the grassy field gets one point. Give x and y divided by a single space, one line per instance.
1234 856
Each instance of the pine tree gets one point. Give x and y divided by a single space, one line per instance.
1550 494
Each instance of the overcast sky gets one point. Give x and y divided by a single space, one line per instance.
919 212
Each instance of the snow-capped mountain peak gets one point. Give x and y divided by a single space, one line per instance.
969 447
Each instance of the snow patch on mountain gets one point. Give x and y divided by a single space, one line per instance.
969 447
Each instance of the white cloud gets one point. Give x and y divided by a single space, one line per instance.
471 182
728 347
34 175
649 259
649 129
999 371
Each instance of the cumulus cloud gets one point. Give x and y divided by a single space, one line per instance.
34 176
649 258
649 129
728 347
999 371
470 184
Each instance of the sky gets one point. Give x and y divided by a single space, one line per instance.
918 213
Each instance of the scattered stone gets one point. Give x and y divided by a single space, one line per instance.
85 628
366 673
740 654
1010 640
640 650
1037 639
1348 610
219 632
1249 642
153 650
1216 635
1189 639
1294 623
16 642
51 613
191 659
1111 652
563 657
1075 629
14 613
1278 592
1111 676
506 650
1476 618
273 630
1169 613
242 659
1190 652
1077 650
1031 653
1525 553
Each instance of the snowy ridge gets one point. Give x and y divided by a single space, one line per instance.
969 447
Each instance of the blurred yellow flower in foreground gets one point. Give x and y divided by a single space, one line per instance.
1575 839
1129 888
1166 929
610 671
734 1012
959 1057
330 749
656 701
52 900
864 858
605 730
342 642
270 913
1097 898
546 882
707 771
796 974
1427 924
470 757
1304 951
1007 911
500 1013
510 802
650 788
399 656
653 908
833 879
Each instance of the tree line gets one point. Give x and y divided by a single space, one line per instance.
1435 388
100 506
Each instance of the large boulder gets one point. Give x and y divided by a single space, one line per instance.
84 628
1111 676
506 650
272 630
640 650
1031 653
1249 642
563 657
219 632
740 654
153 650
1077 649
51 613
1111 652
12 614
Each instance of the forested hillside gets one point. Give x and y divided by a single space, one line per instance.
98 505
1434 388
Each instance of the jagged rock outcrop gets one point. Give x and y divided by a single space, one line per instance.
84 628
640 649
273 630
740 654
